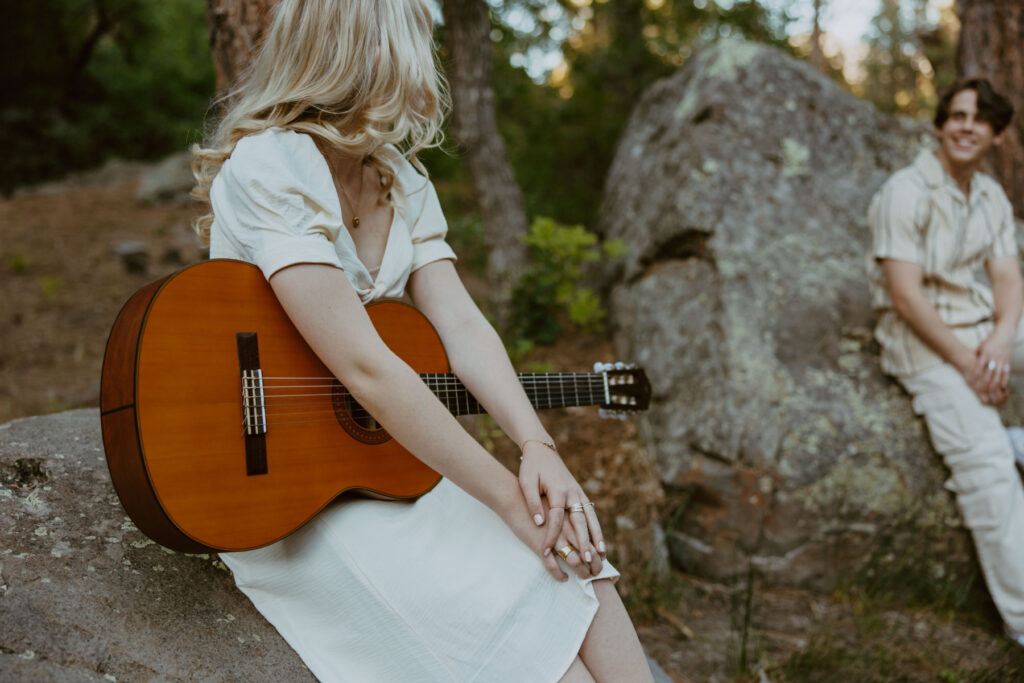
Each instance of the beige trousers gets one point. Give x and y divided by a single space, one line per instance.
971 439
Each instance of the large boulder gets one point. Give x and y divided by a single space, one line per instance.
84 596
740 190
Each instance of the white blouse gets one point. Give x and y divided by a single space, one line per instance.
275 205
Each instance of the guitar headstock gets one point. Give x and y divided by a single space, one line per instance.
628 390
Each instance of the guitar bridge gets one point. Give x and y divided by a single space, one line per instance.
254 412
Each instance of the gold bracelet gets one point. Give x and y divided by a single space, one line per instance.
541 442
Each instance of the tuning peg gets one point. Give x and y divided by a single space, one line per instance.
602 367
620 366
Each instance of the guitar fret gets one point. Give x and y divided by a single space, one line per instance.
543 390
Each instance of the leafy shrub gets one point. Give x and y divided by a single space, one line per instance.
553 290
92 80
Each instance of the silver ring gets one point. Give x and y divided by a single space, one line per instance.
578 507
991 365
588 504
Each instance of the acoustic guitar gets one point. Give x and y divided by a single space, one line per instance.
224 431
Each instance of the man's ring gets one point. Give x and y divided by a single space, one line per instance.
991 365
564 551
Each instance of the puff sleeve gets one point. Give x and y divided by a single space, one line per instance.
271 205
427 224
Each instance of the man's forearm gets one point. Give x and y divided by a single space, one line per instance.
1007 294
910 302
924 320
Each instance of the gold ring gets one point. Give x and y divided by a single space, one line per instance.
564 551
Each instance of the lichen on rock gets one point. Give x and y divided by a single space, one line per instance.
759 341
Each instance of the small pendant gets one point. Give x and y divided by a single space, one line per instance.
355 221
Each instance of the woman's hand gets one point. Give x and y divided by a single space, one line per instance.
585 563
542 474
567 545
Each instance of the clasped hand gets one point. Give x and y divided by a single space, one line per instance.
989 375
558 503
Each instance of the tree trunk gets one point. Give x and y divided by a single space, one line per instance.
475 129
817 56
992 46
236 29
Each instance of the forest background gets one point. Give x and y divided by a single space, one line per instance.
134 79
99 81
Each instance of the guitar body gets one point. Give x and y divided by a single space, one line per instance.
174 424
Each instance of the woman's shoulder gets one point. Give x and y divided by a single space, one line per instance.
277 158
273 147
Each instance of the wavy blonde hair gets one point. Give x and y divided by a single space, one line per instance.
355 74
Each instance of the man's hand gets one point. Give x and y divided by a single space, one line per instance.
987 368
989 375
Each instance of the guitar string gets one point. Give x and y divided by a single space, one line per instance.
446 386
538 387
281 401
451 391
450 382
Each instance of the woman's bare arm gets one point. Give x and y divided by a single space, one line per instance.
325 309
479 359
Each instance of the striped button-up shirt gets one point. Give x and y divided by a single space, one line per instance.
921 216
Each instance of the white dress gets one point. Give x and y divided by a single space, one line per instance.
435 590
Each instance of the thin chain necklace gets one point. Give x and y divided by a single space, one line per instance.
351 204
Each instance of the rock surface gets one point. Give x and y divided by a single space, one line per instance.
84 596
740 190
169 181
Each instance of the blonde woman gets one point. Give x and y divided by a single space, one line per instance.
306 180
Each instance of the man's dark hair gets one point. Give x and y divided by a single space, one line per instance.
993 108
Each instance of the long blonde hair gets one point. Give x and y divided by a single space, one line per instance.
357 74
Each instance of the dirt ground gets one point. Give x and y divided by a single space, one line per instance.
62 284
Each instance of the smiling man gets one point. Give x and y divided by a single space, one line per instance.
950 339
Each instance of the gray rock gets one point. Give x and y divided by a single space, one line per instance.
740 190
133 255
84 596
659 674
169 181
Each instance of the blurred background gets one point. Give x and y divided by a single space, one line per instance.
93 80
101 100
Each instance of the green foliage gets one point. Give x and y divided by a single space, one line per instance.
553 288
911 57
561 135
93 79
918 575
51 286
17 263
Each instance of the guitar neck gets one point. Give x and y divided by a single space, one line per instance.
545 390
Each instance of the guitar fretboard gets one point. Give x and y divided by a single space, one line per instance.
545 390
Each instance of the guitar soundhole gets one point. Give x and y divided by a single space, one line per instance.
354 419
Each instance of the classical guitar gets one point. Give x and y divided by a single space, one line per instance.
224 431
